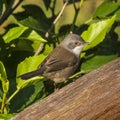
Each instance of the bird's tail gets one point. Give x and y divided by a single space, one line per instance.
30 75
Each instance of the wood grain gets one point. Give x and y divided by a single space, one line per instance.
95 96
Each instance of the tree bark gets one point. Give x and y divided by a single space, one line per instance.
95 96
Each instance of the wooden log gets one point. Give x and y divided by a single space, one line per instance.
95 96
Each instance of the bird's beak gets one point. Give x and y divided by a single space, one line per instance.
86 43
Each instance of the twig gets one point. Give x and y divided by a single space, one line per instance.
17 5
41 46
9 10
8 100
77 9
49 30
57 18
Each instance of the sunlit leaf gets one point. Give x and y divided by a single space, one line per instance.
97 31
48 49
81 3
3 78
14 33
106 9
33 35
2 71
6 116
29 64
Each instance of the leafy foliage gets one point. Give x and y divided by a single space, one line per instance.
33 63
34 26
97 31
112 8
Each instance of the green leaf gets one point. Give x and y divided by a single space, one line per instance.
29 64
6 4
29 41
118 15
106 9
32 93
32 23
2 71
81 3
91 63
26 45
29 95
117 31
6 116
5 86
3 78
47 50
33 35
47 3
14 33
97 31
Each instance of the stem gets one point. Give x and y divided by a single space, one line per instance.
3 102
10 98
77 9
59 15
40 48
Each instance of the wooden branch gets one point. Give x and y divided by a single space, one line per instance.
95 96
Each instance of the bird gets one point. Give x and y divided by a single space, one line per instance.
62 62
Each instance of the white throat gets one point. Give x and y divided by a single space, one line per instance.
77 50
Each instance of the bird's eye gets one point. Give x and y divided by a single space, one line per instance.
77 43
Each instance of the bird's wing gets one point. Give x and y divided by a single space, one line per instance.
57 64
53 63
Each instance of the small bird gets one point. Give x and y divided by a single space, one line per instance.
62 62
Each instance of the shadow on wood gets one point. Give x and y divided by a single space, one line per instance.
95 96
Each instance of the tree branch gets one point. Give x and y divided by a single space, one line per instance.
9 10
95 96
